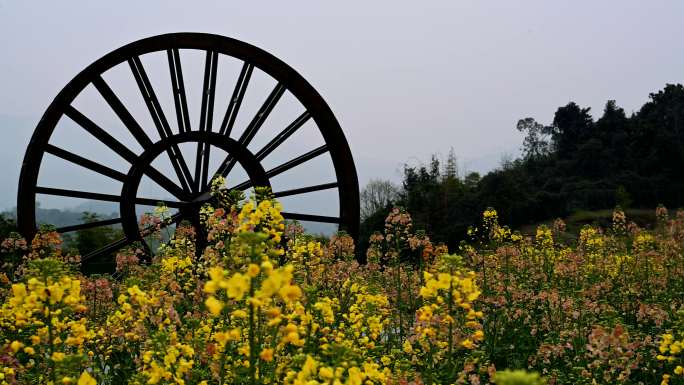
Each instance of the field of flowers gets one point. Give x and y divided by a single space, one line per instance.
266 304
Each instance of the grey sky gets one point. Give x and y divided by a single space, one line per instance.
405 78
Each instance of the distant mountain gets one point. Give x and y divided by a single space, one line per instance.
58 218
316 228
104 208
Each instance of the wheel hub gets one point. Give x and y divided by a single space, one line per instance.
189 208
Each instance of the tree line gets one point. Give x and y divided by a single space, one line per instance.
574 163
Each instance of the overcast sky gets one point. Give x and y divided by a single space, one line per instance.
406 79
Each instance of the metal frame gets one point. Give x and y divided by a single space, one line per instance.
193 188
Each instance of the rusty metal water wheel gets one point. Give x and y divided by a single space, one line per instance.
192 188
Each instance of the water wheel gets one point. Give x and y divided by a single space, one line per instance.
186 185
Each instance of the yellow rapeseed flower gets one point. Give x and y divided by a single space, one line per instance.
326 373
407 348
237 285
253 270
86 379
290 293
15 346
266 355
214 305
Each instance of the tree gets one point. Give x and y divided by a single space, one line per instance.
451 166
7 225
376 196
571 126
86 240
471 180
536 143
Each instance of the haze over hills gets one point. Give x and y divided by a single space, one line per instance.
16 132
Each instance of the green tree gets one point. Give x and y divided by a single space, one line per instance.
88 240
7 225
536 143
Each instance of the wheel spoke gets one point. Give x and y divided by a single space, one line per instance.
156 202
160 122
262 114
150 97
253 127
225 167
179 97
89 225
310 217
282 136
204 153
304 190
288 165
121 111
166 183
123 151
100 134
297 161
104 197
242 186
116 245
236 99
78 194
86 163
206 118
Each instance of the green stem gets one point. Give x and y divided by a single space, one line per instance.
399 304
48 319
252 332
450 296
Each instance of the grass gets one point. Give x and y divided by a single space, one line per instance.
645 218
